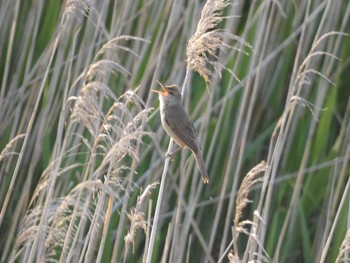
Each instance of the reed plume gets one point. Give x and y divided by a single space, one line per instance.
203 46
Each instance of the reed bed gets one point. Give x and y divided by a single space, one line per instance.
83 173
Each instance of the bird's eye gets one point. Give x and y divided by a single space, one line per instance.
172 90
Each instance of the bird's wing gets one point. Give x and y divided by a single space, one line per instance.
182 126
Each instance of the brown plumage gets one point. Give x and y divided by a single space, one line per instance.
178 124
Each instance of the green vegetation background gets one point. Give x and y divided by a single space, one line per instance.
238 123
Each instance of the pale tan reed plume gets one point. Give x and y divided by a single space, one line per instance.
77 7
120 131
137 218
8 148
344 251
204 44
242 200
87 110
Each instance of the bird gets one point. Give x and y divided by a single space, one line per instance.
178 125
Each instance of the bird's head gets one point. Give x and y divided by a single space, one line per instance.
169 92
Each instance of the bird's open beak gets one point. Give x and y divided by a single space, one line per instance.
164 92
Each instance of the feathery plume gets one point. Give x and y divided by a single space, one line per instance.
7 150
76 7
242 197
87 110
344 249
137 218
207 40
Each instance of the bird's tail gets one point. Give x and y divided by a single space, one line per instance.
201 166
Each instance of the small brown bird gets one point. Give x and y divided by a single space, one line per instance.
178 124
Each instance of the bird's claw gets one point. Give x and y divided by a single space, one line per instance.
168 155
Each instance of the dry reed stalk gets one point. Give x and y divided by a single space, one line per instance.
149 252
8 59
37 241
302 78
37 248
113 138
88 112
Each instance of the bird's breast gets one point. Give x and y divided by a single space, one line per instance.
165 114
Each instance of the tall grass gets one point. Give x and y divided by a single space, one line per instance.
83 177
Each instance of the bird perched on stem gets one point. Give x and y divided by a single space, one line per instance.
178 124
